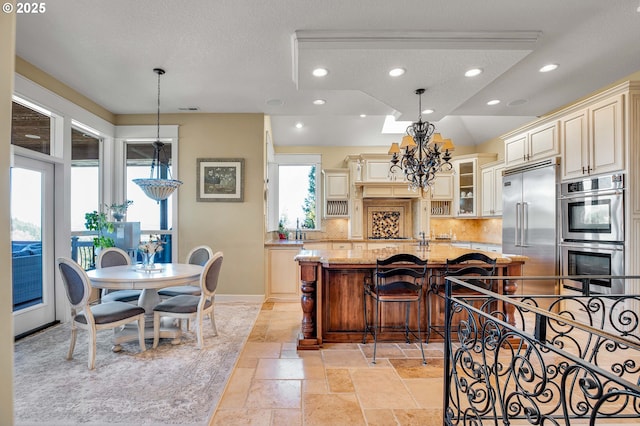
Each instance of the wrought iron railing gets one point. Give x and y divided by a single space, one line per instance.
509 361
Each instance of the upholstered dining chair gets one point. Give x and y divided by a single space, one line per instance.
191 307
399 278
473 268
94 317
114 256
197 256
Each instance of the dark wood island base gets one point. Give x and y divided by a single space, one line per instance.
332 299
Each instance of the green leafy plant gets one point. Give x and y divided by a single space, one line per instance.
282 231
97 221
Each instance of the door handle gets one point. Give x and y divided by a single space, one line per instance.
525 224
517 227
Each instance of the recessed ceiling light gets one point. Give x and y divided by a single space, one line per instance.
428 111
275 102
397 72
473 72
548 67
493 102
319 102
320 72
363 115
299 125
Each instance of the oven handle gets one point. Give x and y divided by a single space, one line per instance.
612 247
591 194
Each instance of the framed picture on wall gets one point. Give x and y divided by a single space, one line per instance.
220 179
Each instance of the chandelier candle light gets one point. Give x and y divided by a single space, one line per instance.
425 153
159 187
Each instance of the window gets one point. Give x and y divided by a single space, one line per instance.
152 215
85 176
297 190
30 126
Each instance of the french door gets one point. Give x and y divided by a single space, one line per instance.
32 192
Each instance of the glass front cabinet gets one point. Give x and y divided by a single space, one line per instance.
467 186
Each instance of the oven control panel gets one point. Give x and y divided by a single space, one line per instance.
602 183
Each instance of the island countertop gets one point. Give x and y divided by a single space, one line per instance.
434 254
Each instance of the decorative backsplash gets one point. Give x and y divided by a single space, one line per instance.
385 224
387 219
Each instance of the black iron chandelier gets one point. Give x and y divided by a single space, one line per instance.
425 152
159 186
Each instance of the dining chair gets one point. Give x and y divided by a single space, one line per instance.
197 256
190 307
399 278
473 268
94 317
114 256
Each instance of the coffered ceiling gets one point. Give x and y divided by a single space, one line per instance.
256 56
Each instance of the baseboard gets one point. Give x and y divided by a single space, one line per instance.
249 298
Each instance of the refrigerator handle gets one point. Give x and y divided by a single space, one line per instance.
517 227
525 224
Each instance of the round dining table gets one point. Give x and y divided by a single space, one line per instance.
149 280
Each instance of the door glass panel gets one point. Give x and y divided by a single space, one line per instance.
30 129
26 237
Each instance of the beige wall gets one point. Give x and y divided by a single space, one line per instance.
7 54
237 229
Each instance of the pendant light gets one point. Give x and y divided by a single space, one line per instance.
158 187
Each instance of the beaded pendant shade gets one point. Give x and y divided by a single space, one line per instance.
158 187
422 152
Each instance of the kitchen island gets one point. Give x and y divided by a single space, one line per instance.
332 298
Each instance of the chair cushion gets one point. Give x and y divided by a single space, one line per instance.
184 304
111 312
180 290
121 296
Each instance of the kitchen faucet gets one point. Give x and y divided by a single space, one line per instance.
424 242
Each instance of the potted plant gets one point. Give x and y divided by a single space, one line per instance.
97 221
119 211
282 232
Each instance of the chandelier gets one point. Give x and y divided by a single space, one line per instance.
158 187
425 152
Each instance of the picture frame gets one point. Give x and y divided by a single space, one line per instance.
220 179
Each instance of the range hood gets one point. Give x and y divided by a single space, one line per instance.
387 190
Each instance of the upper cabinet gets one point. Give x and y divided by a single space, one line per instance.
532 145
467 185
377 169
336 192
491 198
592 139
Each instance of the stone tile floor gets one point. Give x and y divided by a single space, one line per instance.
273 384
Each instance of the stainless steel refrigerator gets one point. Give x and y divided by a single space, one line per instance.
530 222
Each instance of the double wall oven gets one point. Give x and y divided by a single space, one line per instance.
593 233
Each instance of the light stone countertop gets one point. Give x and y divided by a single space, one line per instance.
437 254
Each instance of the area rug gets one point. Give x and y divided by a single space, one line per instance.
172 384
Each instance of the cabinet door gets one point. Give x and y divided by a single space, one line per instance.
283 274
442 188
488 196
605 130
466 194
515 150
575 155
377 171
336 185
543 142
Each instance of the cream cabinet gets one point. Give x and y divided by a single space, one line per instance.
491 195
356 219
316 246
533 145
442 188
336 192
282 283
377 170
593 140
467 184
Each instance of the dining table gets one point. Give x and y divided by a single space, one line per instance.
149 280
